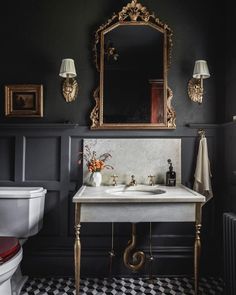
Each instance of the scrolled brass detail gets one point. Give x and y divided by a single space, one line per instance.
133 13
137 258
97 38
195 90
70 89
171 115
94 116
134 10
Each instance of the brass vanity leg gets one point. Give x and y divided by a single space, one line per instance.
197 245
77 248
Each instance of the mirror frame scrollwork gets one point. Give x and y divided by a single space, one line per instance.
132 14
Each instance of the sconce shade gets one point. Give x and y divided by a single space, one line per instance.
67 68
201 70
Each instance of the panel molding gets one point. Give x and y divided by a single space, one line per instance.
56 251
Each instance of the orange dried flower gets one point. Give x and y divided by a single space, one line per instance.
93 162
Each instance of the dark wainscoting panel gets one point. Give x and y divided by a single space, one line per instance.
51 223
42 158
7 158
47 155
228 134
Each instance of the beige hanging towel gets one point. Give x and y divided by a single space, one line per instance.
202 183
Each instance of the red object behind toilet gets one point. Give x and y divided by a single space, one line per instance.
9 246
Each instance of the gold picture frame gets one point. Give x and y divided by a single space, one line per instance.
24 100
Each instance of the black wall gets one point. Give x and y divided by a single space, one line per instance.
36 36
228 130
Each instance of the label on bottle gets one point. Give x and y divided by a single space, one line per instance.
170 178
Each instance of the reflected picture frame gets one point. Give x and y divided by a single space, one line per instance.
24 100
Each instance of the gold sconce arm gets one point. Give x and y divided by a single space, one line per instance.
195 90
70 89
70 86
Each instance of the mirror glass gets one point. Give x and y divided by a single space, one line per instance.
132 57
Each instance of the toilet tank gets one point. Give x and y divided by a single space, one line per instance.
21 211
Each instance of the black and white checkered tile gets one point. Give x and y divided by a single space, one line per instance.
115 286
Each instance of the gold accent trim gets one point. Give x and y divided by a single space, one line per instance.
20 95
138 258
133 13
77 247
171 115
94 116
146 17
97 39
195 90
134 10
70 89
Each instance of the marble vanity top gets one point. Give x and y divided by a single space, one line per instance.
137 194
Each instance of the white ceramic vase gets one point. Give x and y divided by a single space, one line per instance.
96 178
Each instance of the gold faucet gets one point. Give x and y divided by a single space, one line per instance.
133 182
114 183
151 181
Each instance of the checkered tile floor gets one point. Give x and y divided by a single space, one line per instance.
175 286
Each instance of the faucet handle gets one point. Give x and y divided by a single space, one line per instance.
151 181
133 181
114 177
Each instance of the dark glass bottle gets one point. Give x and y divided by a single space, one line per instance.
170 175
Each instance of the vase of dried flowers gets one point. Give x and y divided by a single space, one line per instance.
96 178
95 164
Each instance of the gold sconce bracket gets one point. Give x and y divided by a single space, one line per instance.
70 89
195 90
70 86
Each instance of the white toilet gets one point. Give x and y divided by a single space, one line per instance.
21 216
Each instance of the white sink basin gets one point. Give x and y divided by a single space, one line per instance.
137 194
140 190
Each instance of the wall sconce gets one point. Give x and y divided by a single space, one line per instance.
70 86
195 85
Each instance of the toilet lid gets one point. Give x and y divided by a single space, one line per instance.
9 246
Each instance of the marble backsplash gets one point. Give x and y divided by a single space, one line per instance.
139 157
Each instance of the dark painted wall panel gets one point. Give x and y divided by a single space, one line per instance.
51 222
230 63
37 166
75 167
229 171
7 158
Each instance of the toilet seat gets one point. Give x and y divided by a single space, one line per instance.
9 246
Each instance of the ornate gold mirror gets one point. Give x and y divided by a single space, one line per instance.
132 54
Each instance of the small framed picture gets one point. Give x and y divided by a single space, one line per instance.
24 100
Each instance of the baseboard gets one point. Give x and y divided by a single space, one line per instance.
94 262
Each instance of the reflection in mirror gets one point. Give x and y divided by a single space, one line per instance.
132 54
133 82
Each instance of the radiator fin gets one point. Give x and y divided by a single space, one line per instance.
229 244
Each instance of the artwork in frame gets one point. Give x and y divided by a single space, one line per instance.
24 100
